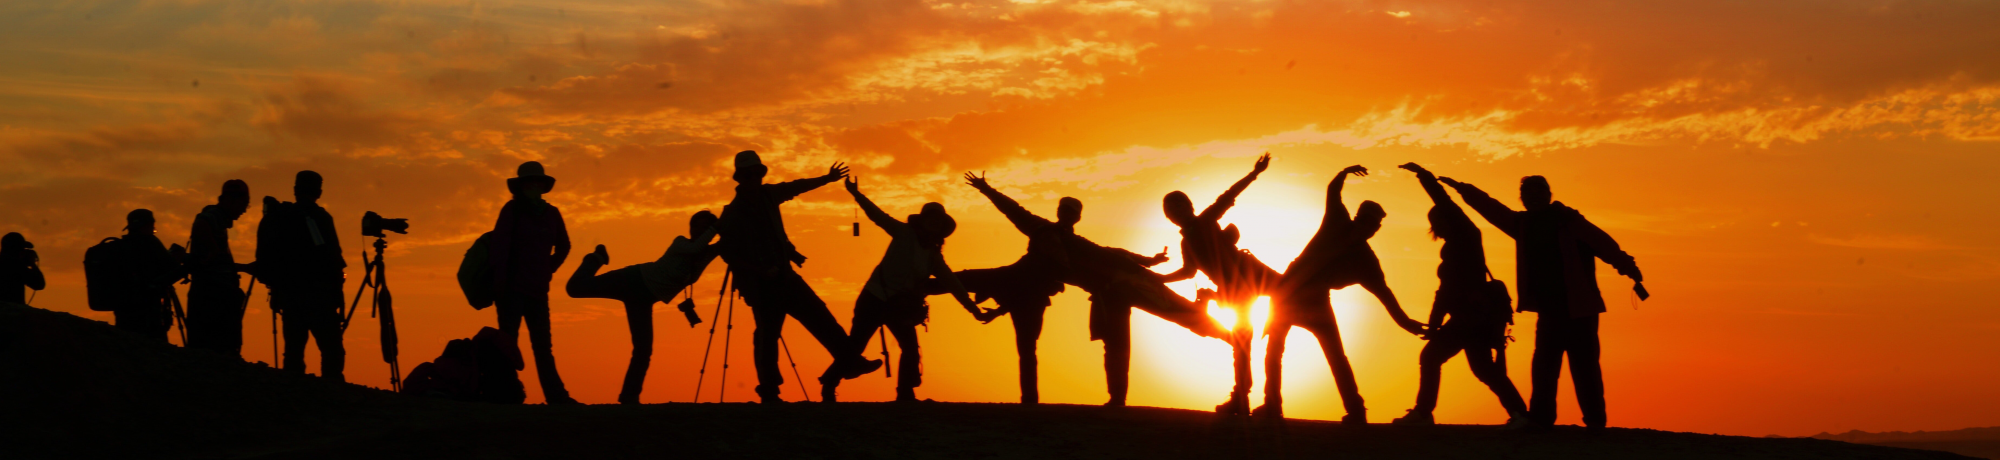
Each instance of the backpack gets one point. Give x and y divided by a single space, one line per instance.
1499 304
107 275
475 276
483 368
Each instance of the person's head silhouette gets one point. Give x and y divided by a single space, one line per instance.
139 222
1535 192
530 181
235 199
306 187
14 242
1369 216
750 168
700 222
1180 210
934 224
1069 211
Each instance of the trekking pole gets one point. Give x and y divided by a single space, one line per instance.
795 369
711 336
886 371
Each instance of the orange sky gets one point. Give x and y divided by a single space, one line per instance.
1803 182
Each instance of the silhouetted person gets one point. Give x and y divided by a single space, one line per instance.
1336 257
761 257
1238 284
641 285
894 296
1553 253
529 242
148 266
1116 279
1022 291
215 291
20 269
1478 315
298 256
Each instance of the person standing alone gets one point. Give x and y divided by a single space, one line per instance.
529 243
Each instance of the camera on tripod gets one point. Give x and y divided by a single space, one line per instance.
373 224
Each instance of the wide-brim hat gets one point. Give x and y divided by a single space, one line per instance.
749 166
15 240
934 216
530 174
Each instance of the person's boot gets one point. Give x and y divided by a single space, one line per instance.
829 390
632 400
1517 421
1116 401
1268 410
1415 418
856 369
771 399
1356 418
906 395
563 400
1237 404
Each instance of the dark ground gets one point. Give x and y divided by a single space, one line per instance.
76 388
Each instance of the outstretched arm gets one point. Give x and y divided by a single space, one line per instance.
1503 218
888 223
1431 185
787 190
1026 222
943 273
1336 208
1604 247
1187 267
1228 198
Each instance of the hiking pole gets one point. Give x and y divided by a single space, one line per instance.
31 296
795 368
711 336
886 371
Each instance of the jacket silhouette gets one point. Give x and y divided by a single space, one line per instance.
1336 257
528 243
20 269
1238 283
1116 279
1478 316
298 256
894 295
639 286
1555 254
152 269
761 257
215 290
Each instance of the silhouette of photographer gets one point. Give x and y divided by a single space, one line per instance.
1555 256
215 290
529 242
761 256
641 285
20 268
298 256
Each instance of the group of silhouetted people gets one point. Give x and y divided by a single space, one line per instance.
298 257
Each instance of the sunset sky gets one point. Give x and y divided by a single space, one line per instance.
1809 186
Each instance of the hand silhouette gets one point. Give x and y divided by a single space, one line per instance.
853 185
1412 167
978 182
1263 163
986 315
1451 182
1161 257
1357 170
839 169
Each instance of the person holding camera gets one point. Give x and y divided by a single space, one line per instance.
639 286
20 268
1555 254
298 256
529 242
215 290
1477 305
761 257
894 296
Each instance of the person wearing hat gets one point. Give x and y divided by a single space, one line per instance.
215 290
761 258
150 266
298 256
894 297
527 244
20 267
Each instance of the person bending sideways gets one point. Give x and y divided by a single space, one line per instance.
641 285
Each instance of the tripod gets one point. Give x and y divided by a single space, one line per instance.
381 307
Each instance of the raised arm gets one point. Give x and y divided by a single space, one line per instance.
1336 207
1503 218
1026 222
875 214
783 191
1228 198
1431 185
